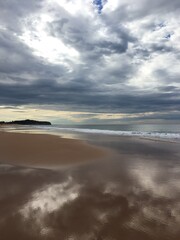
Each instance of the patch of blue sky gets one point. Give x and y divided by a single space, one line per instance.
99 4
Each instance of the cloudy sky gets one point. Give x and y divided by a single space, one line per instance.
85 61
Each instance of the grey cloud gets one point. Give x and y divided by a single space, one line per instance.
12 12
161 6
17 59
167 76
169 88
14 54
141 9
161 48
82 97
79 32
100 80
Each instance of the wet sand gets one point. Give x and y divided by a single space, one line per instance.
132 195
45 150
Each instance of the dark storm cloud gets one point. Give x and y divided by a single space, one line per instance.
127 57
86 97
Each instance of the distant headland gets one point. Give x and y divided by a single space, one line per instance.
25 122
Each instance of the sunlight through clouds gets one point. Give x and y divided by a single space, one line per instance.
43 45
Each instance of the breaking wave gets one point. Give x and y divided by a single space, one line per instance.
159 135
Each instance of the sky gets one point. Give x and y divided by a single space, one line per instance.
90 61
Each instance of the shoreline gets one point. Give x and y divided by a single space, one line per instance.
45 150
28 130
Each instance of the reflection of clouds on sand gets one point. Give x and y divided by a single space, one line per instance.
156 199
4 167
160 180
157 219
131 198
48 199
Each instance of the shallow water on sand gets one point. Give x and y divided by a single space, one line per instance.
133 195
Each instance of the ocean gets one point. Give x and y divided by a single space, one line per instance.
159 131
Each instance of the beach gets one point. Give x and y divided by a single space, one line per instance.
109 187
45 150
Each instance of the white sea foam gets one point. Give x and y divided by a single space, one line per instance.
145 134
123 133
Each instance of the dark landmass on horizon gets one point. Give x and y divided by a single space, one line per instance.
26 122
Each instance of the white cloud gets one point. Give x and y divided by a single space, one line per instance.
44 45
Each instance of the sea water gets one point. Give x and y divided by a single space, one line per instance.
157 131
162 131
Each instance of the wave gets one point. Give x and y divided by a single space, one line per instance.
154 135
160 135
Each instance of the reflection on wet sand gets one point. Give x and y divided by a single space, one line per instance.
134 195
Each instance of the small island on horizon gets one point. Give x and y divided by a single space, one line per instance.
25 122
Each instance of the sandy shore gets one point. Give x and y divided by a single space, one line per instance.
44 150
134 194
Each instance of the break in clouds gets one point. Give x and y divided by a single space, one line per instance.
92 56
